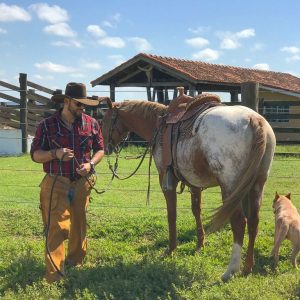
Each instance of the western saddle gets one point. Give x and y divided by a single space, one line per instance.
178 123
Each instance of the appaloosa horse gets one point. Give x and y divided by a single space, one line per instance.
229 146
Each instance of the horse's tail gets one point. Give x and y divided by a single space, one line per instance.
248 178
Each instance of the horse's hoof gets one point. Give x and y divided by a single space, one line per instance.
247 271
227 276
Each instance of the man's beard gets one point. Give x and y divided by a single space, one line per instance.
75 113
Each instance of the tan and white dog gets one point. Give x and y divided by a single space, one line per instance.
287 225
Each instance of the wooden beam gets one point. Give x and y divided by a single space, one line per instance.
39 98
40 87
286 130
9 86
10 98
130 75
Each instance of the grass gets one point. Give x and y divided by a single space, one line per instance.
127 238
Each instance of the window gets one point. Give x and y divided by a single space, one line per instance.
276 110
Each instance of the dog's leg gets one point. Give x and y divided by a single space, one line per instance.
295 252
281 231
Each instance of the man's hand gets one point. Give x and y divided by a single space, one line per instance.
64 154
84 169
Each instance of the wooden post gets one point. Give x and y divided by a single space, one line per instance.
160 95
234 96
191 91
153 94
149 93
112 93
249 91
23 110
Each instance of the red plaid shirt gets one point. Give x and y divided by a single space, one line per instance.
84 137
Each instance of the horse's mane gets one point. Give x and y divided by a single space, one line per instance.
146 109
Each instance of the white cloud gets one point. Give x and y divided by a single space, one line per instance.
207 54
60 29
141 44
264 67
246 33
71 43
92 65
11 13
197 42
295 57
96 30
54 68
291 50
230 43
231 40
107 24
117 59
116 18
199 30
43 77
112 42
3 31
52 14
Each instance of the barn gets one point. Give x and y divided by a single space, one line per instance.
275 95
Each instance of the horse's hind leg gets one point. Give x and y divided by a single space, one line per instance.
238 224
196 208
253 202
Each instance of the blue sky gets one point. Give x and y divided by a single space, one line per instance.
56 42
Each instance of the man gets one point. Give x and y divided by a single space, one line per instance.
69 144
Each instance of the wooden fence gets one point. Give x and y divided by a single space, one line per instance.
27 110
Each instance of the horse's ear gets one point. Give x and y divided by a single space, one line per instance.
107 100
288 196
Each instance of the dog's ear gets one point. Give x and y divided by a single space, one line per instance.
276 196
288 196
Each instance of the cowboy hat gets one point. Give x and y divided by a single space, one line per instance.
77 92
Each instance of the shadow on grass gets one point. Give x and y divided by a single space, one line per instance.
143 280
147 279
21 272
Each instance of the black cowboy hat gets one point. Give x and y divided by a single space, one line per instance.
77 92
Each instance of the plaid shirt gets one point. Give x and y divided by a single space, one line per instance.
84 136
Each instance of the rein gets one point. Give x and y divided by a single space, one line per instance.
117 150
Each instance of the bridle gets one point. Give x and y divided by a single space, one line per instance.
117 150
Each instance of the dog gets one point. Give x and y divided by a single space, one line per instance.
287 226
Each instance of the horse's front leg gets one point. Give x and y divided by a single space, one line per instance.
171 200
196 209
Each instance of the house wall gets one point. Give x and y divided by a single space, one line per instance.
11 142
291 123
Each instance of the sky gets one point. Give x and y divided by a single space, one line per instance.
56 42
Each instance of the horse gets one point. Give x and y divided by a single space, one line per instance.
229 146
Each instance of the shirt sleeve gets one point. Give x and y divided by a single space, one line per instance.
98 143
40 141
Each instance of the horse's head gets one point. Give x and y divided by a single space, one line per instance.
113 128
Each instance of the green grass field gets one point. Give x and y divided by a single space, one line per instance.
127 239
